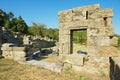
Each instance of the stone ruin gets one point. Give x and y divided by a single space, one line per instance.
101 44
9 51
18 46
97 22
102 57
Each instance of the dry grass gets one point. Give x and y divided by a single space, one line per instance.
50 58
11 70
79 47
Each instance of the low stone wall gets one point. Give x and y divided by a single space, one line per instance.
15 53
82 63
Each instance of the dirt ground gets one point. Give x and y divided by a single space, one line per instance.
11 70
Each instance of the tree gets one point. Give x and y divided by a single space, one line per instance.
52 33
1 20
21 25
118 36
37 29
10 16
80 37
7 24
3 17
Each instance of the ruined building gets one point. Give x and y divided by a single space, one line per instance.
97 22
101 44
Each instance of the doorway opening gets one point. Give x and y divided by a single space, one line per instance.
78 41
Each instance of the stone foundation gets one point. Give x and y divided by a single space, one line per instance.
83 63
15 53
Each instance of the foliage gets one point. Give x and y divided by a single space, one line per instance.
37 29
80 37
10 22
52 33
41 30
118 36
17 24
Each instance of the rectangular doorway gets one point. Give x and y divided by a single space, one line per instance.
78 40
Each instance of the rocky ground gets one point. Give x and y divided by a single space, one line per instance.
11 70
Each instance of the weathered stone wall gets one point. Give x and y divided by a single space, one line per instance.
82 63
8 36
101 43
15 53
97 22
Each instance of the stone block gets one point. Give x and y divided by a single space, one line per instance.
79 15
87 8
74 59
98 41
64 12
108 12
7 45
104 13
19 55
114 41
7 48
101 31
99 59
66 48
86 69
65 38
109 20
78 24
7 54
18 48
102 51
93 31
64 32
95 65
64 25
108 31
65 16
102 41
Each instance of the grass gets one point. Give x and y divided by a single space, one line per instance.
76 76
79 47
11 70
51 59
102 74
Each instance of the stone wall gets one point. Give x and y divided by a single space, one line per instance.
97 22
82 63
102 57
12 52
37 41
8 36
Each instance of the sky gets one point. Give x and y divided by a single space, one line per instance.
46 11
